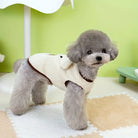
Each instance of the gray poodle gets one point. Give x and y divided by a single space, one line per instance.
73 73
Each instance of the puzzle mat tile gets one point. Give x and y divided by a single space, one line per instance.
109 117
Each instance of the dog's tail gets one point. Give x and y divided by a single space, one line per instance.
17 65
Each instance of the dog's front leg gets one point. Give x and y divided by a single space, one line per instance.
74 107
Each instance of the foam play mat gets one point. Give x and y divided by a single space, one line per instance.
114 116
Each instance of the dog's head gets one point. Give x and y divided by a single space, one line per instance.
93 48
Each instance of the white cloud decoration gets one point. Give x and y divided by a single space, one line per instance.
44 6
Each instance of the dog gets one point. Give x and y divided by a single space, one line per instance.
74 73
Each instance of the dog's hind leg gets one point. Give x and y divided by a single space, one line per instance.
74 106
25 80
39 91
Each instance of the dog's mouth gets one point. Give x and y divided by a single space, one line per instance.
97 63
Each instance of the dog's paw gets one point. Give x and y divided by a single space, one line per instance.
79 126
38 101
18 106
18 111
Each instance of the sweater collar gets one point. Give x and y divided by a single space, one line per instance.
88 80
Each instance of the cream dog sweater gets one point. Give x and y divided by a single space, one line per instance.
59 69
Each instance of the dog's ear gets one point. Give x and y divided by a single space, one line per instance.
74 53
113 52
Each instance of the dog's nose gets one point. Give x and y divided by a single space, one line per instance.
98 58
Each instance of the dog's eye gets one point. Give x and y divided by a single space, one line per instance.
89 52
104 51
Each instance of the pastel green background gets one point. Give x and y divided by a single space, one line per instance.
53 33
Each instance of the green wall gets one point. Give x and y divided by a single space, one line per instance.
53 33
